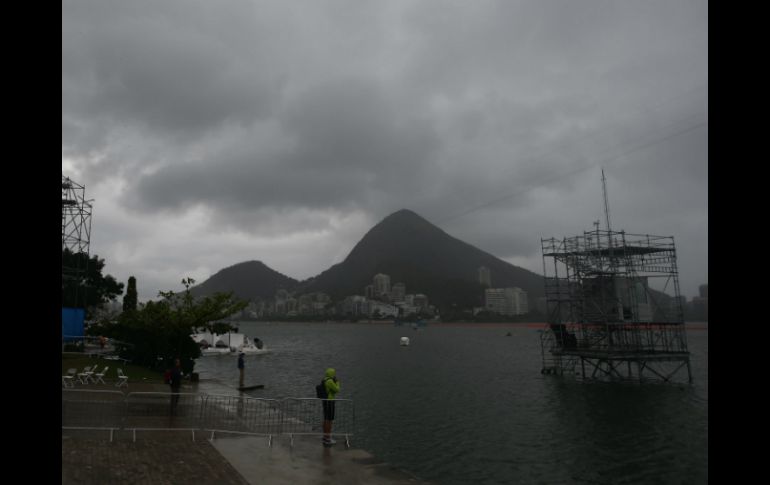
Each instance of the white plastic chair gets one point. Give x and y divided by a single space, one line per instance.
100 376
90 374
68 379
122 379
83 376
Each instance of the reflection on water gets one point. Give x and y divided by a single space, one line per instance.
464 404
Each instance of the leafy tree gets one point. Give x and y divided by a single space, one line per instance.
130 299
219 328
83 285
160 332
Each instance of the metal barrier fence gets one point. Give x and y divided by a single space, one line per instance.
304 416
84 409
241 415
164 411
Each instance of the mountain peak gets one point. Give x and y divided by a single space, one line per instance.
405 219
413 251
404 215
253 262
248 280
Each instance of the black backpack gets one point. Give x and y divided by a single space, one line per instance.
320 390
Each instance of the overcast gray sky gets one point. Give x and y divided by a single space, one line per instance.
212 133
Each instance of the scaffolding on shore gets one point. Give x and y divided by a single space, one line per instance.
75 235
603 317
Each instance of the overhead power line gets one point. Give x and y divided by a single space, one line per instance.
560 176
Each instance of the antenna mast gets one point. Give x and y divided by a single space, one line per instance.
606 202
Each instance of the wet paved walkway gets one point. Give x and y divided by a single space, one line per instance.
307 462
88 457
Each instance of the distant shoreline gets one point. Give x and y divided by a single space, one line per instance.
688 325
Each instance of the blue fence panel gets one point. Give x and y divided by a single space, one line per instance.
72 323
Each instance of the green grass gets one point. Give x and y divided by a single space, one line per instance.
134 372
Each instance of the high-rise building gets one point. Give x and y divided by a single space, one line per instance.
506 301
305 304
485 277
703 290
381 284
519 300
291 307
398 292
494 300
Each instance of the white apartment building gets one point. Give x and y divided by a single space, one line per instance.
384 309
506 301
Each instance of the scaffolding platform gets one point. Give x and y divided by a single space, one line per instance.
603 317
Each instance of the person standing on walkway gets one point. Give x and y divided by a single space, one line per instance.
240 367
175 381
332 386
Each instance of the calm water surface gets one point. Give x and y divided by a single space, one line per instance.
465 404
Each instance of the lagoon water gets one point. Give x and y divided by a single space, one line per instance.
467 404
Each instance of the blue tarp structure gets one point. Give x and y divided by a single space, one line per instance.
72 322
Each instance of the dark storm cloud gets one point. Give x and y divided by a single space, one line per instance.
350 123
348 139
163 68
489 118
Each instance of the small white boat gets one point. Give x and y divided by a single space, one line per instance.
227 344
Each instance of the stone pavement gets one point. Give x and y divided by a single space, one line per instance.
160 460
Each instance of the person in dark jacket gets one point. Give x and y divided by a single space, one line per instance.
240 367
175 381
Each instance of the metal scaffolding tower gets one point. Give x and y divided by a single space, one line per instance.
75 228
75 217
603 317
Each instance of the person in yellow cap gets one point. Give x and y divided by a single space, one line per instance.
332 386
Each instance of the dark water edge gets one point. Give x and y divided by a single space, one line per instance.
467 404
